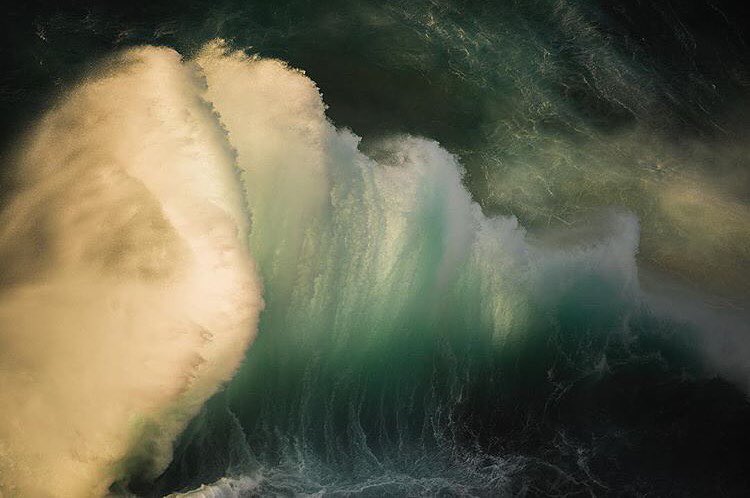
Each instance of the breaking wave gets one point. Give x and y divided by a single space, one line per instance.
410 344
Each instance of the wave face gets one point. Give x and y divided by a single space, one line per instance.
128 293
412 345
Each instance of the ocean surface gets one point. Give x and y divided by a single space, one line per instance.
462 248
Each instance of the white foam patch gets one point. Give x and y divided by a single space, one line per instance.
128 295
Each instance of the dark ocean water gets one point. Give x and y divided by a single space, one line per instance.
590 341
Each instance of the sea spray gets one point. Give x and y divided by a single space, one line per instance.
128 293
